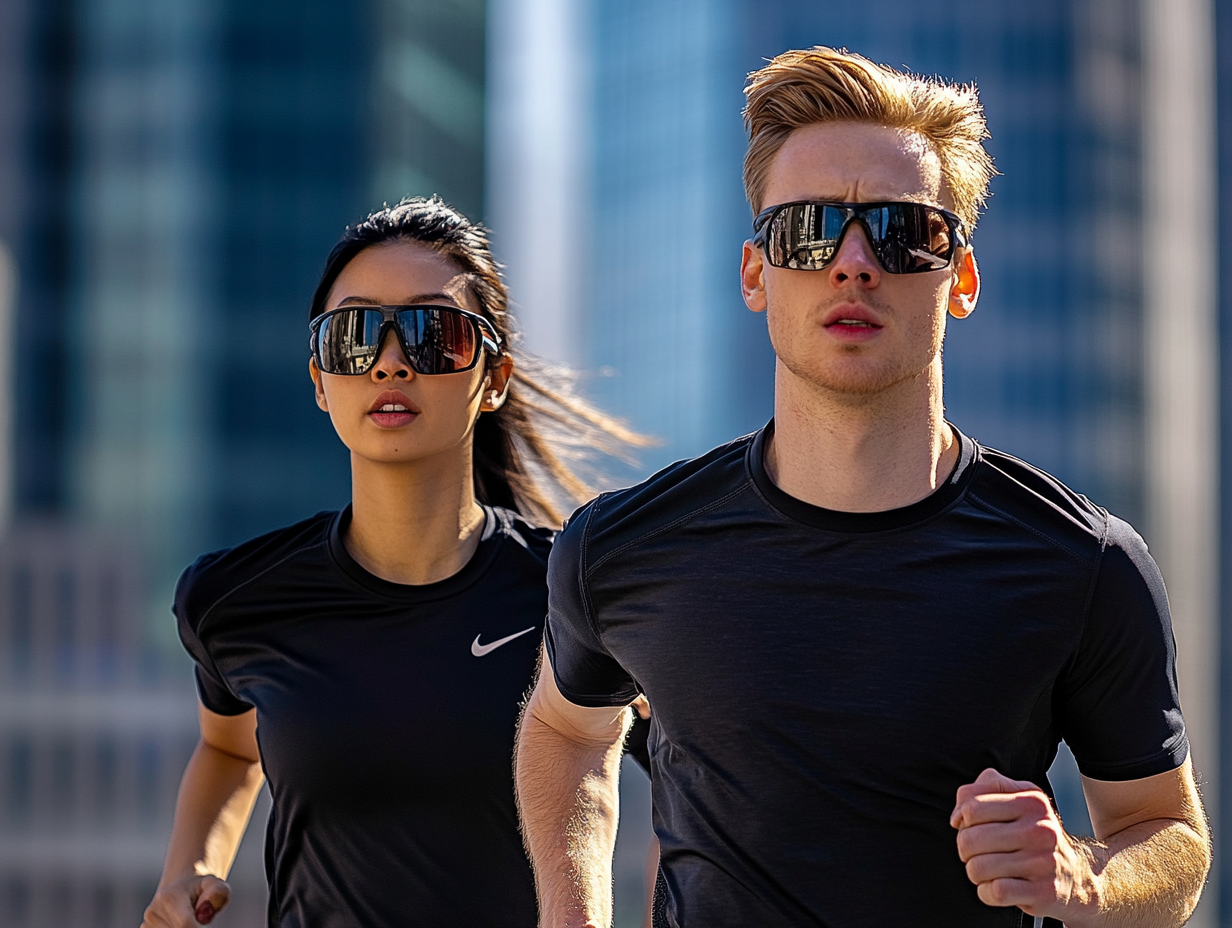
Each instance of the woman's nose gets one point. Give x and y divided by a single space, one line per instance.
391 362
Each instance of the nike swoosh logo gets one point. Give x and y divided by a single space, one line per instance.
479 650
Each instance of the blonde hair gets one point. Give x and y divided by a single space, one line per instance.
807 86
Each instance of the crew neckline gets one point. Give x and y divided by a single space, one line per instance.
489 543
835 520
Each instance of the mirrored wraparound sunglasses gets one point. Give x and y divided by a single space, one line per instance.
907 238
434 339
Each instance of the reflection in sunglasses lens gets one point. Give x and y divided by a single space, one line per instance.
434 340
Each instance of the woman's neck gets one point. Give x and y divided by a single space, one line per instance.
413 523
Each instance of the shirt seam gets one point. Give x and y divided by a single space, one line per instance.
1096 568
582 571
675 523
231 592
984 504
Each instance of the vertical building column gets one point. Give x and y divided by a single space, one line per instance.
8 318
1181 337
142 277
537 141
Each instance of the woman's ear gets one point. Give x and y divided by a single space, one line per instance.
315 373
496 384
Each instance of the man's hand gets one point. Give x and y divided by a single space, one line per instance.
186 903
1017 852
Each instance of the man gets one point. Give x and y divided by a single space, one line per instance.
862 634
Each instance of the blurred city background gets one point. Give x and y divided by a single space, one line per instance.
173 173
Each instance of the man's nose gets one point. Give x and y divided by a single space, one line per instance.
855 261
391 362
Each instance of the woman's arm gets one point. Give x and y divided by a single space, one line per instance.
217 793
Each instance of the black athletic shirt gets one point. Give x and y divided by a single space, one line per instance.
386 717
823 682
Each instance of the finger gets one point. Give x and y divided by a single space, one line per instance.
989 838
992 781
1008 891
213 895
641 707
1037 869
1002 807
171 907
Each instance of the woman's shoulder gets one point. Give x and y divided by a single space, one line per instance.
218 574
513 526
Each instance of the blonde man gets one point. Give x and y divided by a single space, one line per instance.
863 634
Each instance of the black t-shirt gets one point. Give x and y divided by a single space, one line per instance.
823 682
386 717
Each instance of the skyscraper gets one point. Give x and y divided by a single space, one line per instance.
173 176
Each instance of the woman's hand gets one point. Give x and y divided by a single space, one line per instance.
186 903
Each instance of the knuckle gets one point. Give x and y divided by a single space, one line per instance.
975 871
964 846
1038 805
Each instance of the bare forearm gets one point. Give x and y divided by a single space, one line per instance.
215 801
1148 876
569 802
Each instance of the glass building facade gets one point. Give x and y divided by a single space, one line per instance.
1049 366
187 167
178 172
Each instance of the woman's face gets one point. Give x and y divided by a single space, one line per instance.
437 411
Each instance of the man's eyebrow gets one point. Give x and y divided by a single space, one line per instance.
409 301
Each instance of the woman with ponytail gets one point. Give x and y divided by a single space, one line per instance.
370 662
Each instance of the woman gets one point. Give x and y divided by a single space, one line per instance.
372 660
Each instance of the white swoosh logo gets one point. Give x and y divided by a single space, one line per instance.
479 650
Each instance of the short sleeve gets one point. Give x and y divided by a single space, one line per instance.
1118 704
586 674
211 687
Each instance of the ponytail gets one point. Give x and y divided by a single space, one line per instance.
520 448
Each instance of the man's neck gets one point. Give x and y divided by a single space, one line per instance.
866 453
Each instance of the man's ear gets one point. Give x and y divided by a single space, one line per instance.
315 373
965 290
752 280
496 385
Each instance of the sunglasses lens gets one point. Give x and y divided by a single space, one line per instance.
348 342
438 341
804 236
910 238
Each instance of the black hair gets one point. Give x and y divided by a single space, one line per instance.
519 449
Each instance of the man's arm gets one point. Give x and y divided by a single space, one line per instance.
1145 869
567 771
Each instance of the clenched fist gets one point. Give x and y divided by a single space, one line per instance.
1017 852
186 903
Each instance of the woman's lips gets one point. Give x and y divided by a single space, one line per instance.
392 420
392 410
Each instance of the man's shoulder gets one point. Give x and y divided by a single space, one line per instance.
215 576
1038 502
663 500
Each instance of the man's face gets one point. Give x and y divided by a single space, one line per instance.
853 328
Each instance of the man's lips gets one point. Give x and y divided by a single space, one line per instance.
392 409
851 323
